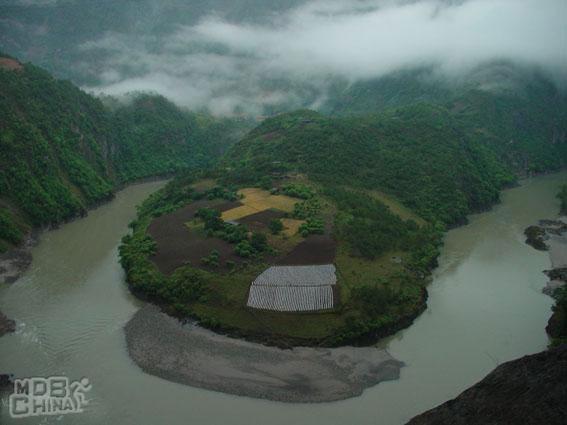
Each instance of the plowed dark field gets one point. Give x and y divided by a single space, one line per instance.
177 245
315 249
260 221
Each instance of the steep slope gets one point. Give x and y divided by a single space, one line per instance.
54 149
152 136
62 150
530 390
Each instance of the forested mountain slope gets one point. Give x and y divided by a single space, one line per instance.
441 161
517 110
62 150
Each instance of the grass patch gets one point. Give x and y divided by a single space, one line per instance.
204 185
396 207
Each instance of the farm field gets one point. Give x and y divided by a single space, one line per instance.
291 226
178 245
289 308
259 221
258 200
315 249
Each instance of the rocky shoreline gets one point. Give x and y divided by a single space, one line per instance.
16 261
12 264
551 236
162 346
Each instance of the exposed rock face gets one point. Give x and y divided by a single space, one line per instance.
530 390
536 237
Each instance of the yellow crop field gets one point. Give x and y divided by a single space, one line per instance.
258 200
238 213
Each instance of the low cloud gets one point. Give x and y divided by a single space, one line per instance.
292 58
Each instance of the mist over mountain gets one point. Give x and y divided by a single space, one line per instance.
257 57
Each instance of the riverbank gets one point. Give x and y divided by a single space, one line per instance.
551 236
12 264
15 261
161 346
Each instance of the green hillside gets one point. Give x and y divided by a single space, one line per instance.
441 160
62 150
516 111
419 154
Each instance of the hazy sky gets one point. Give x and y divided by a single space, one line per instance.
321 40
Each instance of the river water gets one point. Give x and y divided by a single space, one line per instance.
485 308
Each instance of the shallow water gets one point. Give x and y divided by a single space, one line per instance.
485 307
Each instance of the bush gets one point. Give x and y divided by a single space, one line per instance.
312 226
211 218
276 226
298 190
259 242
306 209
244 249
212 259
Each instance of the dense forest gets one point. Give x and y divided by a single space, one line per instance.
62 150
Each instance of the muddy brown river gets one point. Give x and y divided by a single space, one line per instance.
485 307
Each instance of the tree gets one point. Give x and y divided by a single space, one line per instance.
259 241
276 226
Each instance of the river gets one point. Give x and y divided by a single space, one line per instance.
485 308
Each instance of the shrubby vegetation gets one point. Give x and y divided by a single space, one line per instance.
368 226
276 226
297 190
310 208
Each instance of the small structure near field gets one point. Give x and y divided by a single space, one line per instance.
294 288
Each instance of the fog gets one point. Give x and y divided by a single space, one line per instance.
291 57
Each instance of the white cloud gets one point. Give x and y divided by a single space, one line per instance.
348 39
